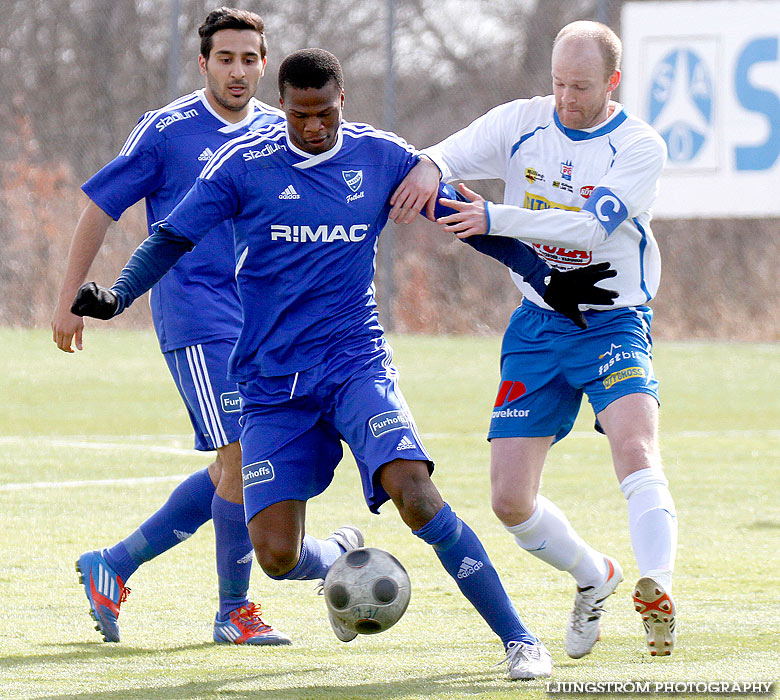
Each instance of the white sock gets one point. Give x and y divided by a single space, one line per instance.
652 522
549 536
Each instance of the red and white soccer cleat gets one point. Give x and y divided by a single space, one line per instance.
658 613
245 626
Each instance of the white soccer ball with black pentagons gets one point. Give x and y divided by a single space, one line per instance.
367 590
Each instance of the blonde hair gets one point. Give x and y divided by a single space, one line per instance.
608 42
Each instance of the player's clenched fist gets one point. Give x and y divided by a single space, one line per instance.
95 301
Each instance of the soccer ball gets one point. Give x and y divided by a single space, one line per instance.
367 590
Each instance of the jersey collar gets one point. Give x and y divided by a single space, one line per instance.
612 123
312 160
229 126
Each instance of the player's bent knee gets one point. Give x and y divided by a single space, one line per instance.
276 533
276 562
636 453
418 508
409 484
512 511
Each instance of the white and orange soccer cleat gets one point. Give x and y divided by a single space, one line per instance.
658 613
584 627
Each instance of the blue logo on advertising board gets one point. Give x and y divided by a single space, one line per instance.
681 103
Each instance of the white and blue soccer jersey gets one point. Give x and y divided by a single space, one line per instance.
579 197
197 301
306 229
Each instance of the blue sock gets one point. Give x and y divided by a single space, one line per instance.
187 508
234 554
465 559
315 560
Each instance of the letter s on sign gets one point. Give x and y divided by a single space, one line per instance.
754 99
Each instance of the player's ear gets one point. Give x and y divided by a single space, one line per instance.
614 81
202 64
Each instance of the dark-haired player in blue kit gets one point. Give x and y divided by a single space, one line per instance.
197 316
308 200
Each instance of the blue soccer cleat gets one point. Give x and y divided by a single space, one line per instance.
105 592
245 626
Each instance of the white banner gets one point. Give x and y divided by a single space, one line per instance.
706 76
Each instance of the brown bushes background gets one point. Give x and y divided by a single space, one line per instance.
92 67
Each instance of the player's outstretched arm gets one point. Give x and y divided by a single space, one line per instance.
469 217
417 190
146 267
516 255
563 291
87 239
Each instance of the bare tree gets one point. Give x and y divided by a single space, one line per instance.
75 76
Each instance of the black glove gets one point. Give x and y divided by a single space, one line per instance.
94 300
566 290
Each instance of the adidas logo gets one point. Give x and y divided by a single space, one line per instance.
541 548
469 566
247 558
289 193
207 153
181 536
406 444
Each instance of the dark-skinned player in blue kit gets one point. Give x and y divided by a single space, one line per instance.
308 199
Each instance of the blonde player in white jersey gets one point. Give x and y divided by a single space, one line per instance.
581 176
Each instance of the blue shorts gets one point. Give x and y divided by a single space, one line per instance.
200 373
547 363
294 425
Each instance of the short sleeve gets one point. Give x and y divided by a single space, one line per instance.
208 203
135 173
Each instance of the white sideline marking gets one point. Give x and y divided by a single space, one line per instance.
664 434
135 442
132 481
91 445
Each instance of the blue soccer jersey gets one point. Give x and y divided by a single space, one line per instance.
306 229
197 300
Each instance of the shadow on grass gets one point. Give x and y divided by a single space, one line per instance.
84 651
764 525
488 683
481 684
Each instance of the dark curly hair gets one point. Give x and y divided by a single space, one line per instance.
310 68
229 18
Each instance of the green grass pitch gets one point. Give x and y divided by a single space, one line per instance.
81 435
